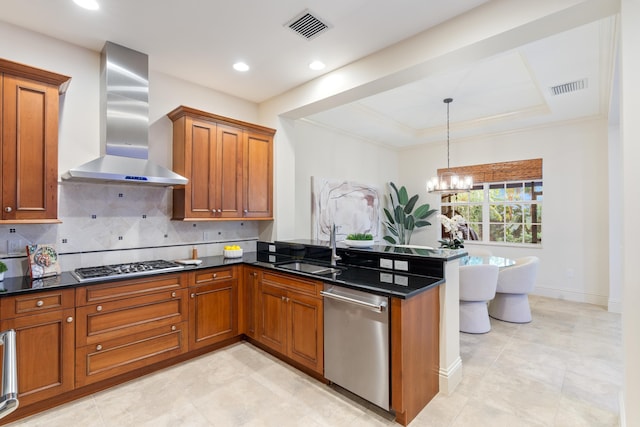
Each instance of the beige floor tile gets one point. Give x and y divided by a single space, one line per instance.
563 369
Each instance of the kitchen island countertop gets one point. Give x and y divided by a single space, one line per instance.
390 283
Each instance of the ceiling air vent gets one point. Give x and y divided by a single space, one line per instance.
307 25
568 87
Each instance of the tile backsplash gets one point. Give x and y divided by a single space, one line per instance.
109 223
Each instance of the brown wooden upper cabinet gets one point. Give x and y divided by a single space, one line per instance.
229 164
29 137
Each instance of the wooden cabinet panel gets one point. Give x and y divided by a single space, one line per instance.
229 164
118 356
202 158
29 140
290 318
272 322
306 330
213 313
249 297
32 303
45 354
258 176
130 288
113 319
202 277
229 172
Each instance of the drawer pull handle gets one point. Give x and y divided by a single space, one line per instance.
173 327
69 319
214 275
8 209
99 308
193 295
98 347
40 303
173 294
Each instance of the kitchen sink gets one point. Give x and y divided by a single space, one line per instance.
309 268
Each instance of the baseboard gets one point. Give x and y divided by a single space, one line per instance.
450 377
564 294
615 306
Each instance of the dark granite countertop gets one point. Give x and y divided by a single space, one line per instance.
381 281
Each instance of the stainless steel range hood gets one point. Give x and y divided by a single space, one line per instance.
124 125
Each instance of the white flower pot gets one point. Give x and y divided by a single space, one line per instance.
1 276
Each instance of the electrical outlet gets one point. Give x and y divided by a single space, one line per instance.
401 265
386 263
16 247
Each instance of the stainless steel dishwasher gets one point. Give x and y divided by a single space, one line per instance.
356 342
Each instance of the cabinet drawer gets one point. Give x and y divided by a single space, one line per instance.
113 319
203 277
108 359
33 303
129 288
294 283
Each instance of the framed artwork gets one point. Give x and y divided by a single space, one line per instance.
43 260
352 206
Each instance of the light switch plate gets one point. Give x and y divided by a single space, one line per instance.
386 263
272 248
401 265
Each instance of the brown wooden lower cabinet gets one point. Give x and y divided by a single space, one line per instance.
290 318
213 312
118 356
45 354
118 328
415 353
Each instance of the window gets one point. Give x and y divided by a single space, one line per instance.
504 212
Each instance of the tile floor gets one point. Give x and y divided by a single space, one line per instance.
562 369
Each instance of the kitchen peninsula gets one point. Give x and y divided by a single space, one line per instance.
111 331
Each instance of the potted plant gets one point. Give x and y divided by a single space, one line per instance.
452 226
402 220
3 268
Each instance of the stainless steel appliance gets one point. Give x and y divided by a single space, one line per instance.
9 399
124 128
119 271
356 342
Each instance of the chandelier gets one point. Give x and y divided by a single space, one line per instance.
448 182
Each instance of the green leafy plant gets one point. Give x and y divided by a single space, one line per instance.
3 267
402 219
360 236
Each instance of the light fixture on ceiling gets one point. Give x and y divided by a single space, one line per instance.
448 182
240 66
316 65
87 4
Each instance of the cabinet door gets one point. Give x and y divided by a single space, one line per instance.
306 329
229 172
258 176
108 359
29 150
45 354
213 313
272 318
201 168
249 302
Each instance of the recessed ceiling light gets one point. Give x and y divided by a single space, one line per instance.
88 4
240 66
317 65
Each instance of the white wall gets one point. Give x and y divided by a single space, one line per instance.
141 216
324 153
574 253
630 90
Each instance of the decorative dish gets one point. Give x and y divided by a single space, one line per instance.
359 243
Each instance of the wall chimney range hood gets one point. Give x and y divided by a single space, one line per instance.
124 125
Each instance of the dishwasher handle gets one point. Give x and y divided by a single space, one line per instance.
9 400
378 308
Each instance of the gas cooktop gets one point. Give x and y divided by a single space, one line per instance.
119 271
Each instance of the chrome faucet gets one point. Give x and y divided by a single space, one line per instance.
334 256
